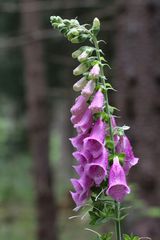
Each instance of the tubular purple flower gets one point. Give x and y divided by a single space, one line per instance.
80 198
95 71
82 157
124 146
118 188
94 143
77 141
86 121
83 184
76 118
88 90
97 102
79 169
80 106
97 169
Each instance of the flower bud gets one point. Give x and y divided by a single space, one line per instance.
78 52
96 26
80 69
95 71
72 33
74 22
88 89
78 86
79 39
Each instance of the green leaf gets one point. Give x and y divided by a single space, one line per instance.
131 237
106 236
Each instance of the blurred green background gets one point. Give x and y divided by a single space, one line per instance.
36 95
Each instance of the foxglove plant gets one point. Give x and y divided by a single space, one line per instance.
103 152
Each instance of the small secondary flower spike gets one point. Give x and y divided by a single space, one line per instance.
103 152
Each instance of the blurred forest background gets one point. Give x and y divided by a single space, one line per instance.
36 95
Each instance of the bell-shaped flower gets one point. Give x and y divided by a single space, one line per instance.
80 198
86 121
88 90
95 71
79 85
82 184
82 157
118 187
79 169
80 106
97 169
97 102
124 146
94 143
75 118
77 141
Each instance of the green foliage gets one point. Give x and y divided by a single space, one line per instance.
106 236
131 237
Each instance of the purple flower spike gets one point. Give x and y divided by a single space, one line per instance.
118 188
77 141
94 143
86 121
97 102
88 89
82 157
125 147
80 106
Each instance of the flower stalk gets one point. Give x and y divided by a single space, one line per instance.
117 204
103 151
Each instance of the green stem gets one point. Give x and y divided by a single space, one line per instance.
117 204
118 222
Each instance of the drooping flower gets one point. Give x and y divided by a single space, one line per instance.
94 143
79 169
82 184
80 69
82 189
79 85
88 90
83 157
118 187
80 198
80 106
86 121
95 71
124 146
97 168
97 102
77 141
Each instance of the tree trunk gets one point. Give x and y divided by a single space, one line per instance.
137 76
38 120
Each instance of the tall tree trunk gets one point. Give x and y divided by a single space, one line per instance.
137 78
38 119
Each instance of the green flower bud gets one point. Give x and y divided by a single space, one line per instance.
66 22
79 85
78 52
79 39
85 54
96 26
61 25
74 22
80 69
72 33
